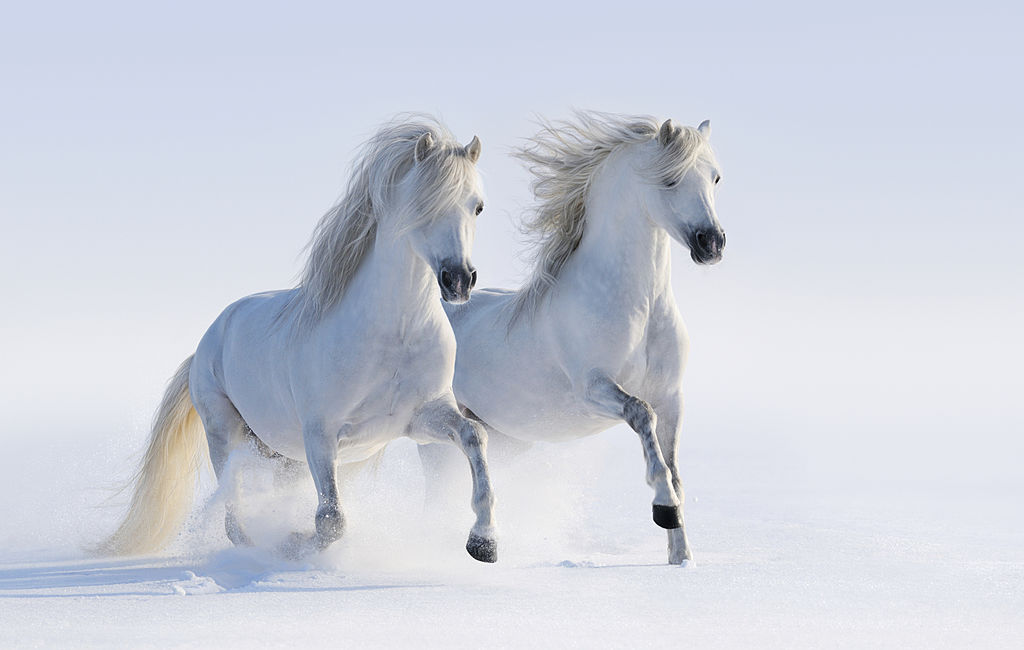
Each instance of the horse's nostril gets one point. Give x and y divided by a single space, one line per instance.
446 278
702 239
472 279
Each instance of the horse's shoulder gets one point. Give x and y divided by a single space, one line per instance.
666 331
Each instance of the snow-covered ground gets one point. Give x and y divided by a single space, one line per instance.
786 556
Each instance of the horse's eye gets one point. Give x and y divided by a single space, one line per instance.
717 178
479 208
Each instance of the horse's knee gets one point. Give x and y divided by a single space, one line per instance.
472 437
638 414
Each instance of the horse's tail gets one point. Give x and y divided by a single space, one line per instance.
165 485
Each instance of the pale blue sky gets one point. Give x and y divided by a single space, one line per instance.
158 162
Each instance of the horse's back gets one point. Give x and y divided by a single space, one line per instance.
253 322
481 301
486 309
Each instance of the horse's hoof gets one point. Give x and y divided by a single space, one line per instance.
330 526
240 539
482 549
234 530
667 516
299 546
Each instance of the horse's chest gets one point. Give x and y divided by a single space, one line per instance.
409 372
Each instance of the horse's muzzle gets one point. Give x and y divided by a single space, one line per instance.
706 246
456 280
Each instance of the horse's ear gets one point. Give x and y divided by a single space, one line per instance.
705 129
473 149
667 132
423 146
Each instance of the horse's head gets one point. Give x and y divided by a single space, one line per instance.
443 190
682 178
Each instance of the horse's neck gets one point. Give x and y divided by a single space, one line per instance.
403 280
622 246
392 283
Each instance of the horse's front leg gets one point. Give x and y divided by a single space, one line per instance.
441 421
322 456
607 398
670 412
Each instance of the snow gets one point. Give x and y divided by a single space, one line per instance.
784 558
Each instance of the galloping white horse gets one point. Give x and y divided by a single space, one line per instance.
595 337
359 354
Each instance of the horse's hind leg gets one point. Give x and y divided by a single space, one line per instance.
225 431
670 413
286 470
439 462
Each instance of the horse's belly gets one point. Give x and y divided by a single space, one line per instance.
556 425
356 443
528 400
515 383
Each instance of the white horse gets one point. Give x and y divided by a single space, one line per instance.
595 337
360 353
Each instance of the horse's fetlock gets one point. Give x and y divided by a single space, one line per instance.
472 440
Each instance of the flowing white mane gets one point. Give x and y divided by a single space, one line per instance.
563 158
346 233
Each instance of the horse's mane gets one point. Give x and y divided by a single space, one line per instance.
346 233
563 159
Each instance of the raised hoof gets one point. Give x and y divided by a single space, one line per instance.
482 549
667 517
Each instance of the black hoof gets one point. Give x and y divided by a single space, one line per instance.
482 549
667 516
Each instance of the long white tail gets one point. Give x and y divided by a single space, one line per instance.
165 485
